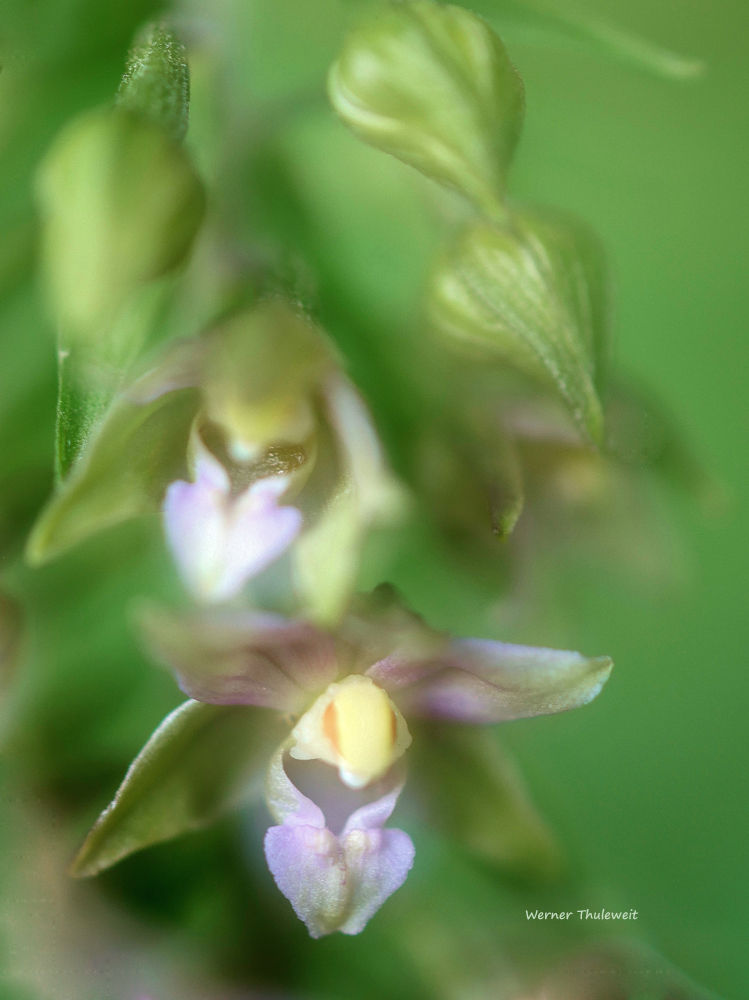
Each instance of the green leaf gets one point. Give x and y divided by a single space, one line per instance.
123 472
198 764
476 794
530 295
156 83
538 23
433 85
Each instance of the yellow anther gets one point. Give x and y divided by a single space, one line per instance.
361 726
354 726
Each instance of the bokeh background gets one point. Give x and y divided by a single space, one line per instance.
647 787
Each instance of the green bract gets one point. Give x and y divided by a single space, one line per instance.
530 295
123 472
197 765
473 480
433 85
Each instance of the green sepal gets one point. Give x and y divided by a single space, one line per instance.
362 494
198 764
156 82
475 793
432 84
128 462
531 296
380 621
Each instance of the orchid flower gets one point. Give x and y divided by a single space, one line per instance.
342 699
252 444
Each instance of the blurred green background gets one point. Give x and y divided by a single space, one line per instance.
647 787
650 785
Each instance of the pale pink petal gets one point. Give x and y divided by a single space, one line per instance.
258 532
219 542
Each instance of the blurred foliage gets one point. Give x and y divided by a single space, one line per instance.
647 789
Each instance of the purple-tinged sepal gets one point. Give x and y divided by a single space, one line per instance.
483 681
334 883
242 657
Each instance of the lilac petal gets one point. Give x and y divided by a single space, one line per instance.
484 681
220 542
374 814
244 658
377 863
307 865
260 531
333 883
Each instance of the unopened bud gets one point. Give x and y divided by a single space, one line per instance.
525 296
432 84
121 205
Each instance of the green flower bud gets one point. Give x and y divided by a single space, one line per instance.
156 83
531 296
121 205
433 85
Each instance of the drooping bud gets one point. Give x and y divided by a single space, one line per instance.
432 84
121 205
530 296
156 83
355 727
